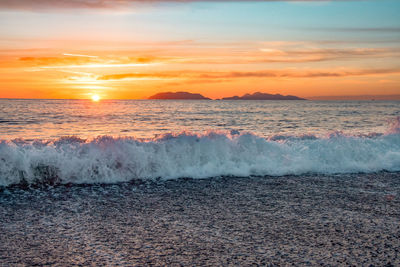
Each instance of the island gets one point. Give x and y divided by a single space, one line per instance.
178 96
263 96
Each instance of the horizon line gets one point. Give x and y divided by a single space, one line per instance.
311 98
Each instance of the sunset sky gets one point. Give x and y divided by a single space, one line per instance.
132 49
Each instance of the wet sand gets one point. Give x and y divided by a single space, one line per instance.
302 220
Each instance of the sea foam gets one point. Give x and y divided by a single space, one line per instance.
110 160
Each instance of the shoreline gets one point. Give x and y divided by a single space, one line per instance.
349 219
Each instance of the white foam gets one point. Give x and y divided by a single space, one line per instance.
394 126
110 160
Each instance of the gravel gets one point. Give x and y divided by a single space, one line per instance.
307 220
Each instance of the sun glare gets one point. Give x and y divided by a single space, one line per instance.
95 98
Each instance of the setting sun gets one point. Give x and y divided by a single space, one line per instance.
95 98
200 132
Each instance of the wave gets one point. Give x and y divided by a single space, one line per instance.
107 159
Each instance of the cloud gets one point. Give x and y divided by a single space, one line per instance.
58 4
106 4
185 56
301 74
359 29
57 61
78 55
81 61
160 75
310 55
262 55
251 74
270 54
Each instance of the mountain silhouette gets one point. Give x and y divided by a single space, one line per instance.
263 96
178 95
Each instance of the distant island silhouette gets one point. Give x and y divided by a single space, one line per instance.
191 96
263 96
178 95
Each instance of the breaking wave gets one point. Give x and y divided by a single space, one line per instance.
110 160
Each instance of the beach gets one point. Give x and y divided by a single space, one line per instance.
347 219
200 133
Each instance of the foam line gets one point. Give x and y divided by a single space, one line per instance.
110 160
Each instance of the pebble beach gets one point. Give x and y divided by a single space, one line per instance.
306 220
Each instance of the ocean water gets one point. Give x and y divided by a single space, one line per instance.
291 183
80 141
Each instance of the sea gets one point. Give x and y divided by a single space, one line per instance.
112 141
199 183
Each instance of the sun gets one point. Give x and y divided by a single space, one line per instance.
95 98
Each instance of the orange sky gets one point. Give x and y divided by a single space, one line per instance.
133 53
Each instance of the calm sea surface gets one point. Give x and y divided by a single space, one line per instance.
51 119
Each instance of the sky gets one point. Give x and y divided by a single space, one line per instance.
132 49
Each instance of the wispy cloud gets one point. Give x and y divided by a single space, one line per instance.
251 74
125 76
310 55
273 54
85 61
185 57
78 55
102 4
359 29
301 73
